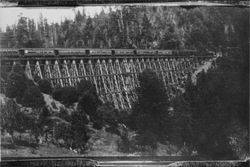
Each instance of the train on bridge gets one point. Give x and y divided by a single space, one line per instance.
63 52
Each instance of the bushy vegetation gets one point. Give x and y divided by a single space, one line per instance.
66 95
27 94
33 98
23 89
16 82
12 119
76 132
68 129
211 117
218 105
150 115
86 86
72 130
45 86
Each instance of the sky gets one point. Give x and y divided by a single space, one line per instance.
9 16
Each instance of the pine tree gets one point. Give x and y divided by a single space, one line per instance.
150 112
47 34
171 39
88 35
22 35
10 34
146 34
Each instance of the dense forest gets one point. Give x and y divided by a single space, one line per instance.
134 27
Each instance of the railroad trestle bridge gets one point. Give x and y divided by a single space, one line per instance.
113 72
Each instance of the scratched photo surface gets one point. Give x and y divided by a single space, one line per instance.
40 3
125 84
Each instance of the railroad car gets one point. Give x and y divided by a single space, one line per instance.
9 51
62 51
165 52
36 52
97 52
145 52
127 52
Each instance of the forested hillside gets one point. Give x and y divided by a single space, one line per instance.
134 27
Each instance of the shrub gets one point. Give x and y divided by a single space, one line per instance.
16 82
85 85
64 132
72 130
79 130
88 103
32 97
45 86
12 119
107 113
57 93
124 145
66 95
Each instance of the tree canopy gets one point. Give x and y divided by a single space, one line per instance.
136 27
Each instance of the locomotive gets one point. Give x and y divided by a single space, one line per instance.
51 52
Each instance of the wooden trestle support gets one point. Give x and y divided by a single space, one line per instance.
115 79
